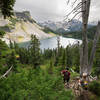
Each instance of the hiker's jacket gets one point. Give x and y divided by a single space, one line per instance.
64 71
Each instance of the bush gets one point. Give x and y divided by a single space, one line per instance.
95 87
33 85
2 33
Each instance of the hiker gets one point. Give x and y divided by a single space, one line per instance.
66 75
84 81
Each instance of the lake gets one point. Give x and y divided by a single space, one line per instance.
51 43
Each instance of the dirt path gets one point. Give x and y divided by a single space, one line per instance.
78 91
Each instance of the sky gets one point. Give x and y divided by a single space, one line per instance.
55 10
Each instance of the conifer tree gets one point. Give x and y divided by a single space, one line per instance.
97 60
6 7
50 70
68 57
11 61
11 45
63 59
35 56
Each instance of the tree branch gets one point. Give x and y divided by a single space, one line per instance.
7 72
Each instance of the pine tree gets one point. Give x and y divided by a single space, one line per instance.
11 45
63 59
97 60
68 56
6 7
35 56
76 57
11 61
50 70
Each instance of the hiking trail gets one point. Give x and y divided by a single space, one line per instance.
78 91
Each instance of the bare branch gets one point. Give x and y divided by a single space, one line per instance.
74 16
7 72
68 2
79 17
74 3
76 10
79 5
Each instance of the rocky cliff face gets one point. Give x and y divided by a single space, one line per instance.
25 15
20 27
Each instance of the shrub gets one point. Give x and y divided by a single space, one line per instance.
33 85
95 87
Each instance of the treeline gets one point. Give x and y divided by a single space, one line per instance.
78 34
48 30
33 56
73 34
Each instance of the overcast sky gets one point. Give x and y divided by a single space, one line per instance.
42 10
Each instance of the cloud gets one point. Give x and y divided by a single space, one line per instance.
95 10
53 9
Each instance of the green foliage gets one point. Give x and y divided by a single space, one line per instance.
4 52
5 28
96 64
51 67
95 87
35 51
48 30
63 59
3 46
11 61
11 45
76 57
6 7
78 34
13 20
33 85
68 56
44 82
2 33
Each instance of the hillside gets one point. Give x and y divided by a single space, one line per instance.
20 27
78 34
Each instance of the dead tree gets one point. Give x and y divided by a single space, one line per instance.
85 15
83 8
96 38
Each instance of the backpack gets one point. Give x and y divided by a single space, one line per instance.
66 74
85 86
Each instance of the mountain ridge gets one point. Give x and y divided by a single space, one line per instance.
64 26
20 27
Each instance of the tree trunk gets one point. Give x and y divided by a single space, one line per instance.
85 16
81 55
96 38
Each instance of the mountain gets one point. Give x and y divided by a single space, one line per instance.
20 27
64 26
61 26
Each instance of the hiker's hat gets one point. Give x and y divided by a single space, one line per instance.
67 68
84 74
